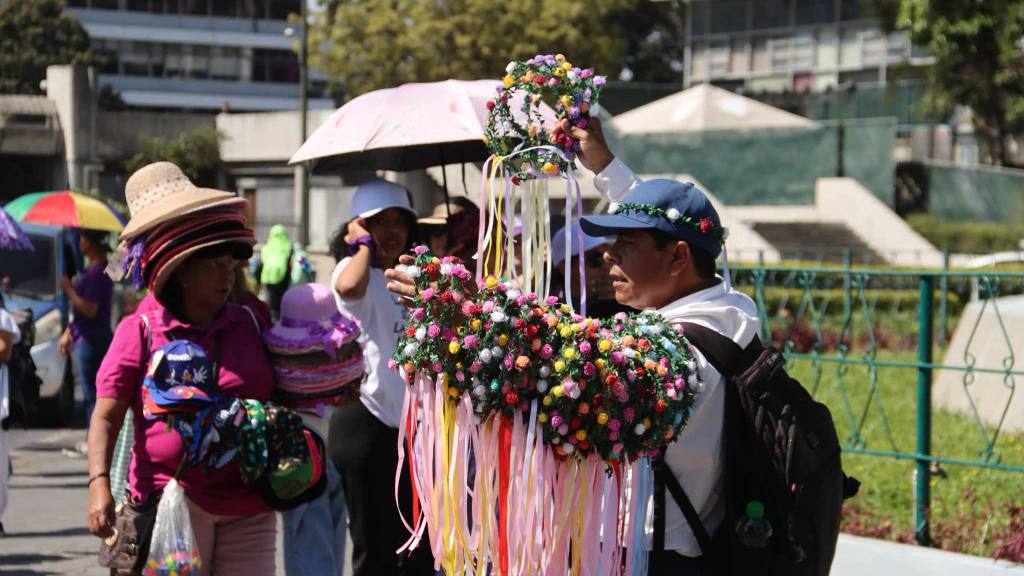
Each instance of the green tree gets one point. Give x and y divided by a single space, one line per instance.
35 34
978 46
197 153
369 44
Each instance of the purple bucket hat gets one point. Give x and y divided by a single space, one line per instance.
310 322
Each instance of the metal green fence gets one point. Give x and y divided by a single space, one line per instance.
867 342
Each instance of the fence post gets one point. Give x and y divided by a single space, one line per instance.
847 285
944 298
922 475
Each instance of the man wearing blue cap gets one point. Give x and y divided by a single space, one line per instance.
668 236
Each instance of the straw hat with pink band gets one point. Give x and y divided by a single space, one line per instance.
314 349
171 220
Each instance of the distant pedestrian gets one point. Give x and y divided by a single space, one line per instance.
90 331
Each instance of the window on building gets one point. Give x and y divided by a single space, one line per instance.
249 9
275 66
197 62
739 56
760 60
728 16
225 63
803 51
104 4
135 58
718 58
156 59
195 7
107 51
849 49
872 47
699 62
138 5
771 14
174 61
280 9
699 17
815 11
229 8
780 53
77 3
855 9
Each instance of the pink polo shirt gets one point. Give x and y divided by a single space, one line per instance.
245 372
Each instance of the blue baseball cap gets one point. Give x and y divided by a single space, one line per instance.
675 208
558 243
180 371
376 196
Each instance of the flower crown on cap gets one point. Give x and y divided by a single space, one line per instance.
703 226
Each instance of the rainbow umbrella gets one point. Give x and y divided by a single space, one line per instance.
12 237
65 209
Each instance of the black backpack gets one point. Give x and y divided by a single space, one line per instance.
781 448
23 382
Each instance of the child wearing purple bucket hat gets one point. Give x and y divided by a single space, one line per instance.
319 364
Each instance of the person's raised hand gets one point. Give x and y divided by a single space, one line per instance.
594 153
356 229
401 283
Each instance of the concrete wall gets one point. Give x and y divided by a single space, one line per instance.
979 341
120 133
271 137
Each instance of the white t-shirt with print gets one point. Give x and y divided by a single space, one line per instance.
382 320
7 324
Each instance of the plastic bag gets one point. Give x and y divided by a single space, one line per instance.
173 550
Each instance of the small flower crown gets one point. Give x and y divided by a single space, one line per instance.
704 225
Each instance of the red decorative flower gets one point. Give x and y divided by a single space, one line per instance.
575 423
447 297
516 181
520 323
490 105
539 79
511 398
432 270
660 405
410 331
706 225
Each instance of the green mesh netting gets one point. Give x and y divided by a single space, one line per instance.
768 166
979 193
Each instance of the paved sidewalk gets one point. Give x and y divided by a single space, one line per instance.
858 556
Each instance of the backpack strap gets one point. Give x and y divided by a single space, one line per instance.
720 351
664 478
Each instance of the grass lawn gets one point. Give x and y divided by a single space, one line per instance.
972 507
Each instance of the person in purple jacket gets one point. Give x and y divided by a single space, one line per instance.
89 332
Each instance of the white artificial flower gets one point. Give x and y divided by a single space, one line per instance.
410 349
629 353
569 448
497 352
479 391
485 356
498 316
401 268
545 371
510 68
542 386
640 429
513 293
673 214
613 207
571 75
446 269
421 333
574 393
413 271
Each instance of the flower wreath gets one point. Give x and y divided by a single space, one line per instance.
704 225
575 91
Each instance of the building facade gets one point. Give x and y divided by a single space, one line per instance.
210 55
790 45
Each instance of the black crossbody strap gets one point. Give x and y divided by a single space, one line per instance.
720 351
669 480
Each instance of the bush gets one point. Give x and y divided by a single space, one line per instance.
967 236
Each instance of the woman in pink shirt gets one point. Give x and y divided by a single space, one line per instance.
187 259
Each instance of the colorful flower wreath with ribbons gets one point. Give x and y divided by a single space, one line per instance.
703 225
625 388
620 389
574 91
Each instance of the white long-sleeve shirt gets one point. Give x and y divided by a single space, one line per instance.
695 458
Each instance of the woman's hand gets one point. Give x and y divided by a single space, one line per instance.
356 229
64 344
401 284
101 508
